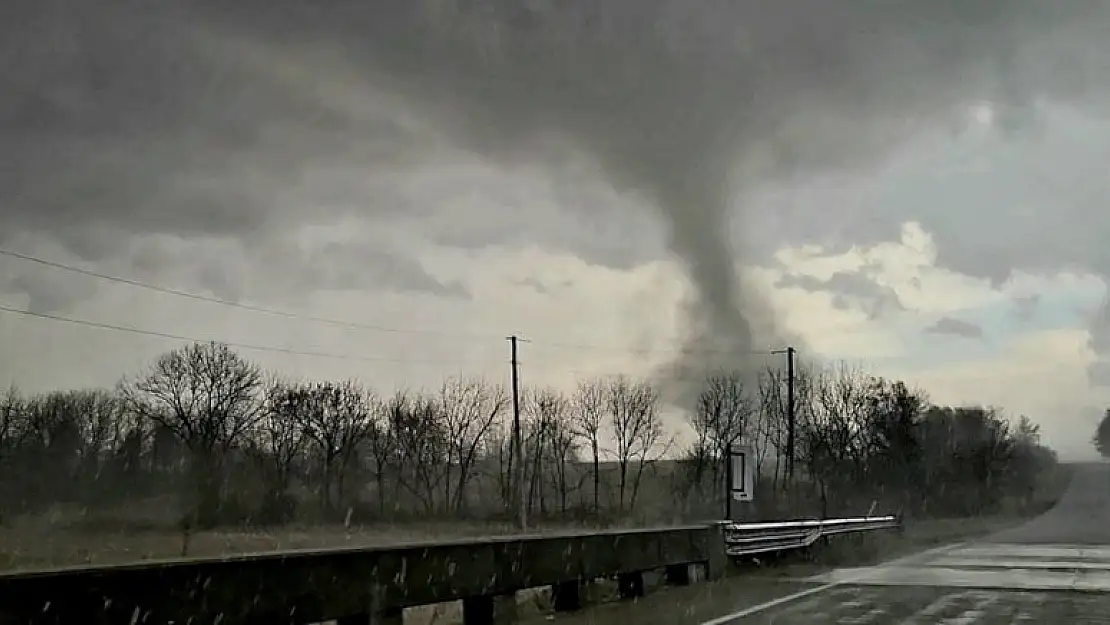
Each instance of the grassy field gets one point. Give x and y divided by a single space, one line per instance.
46 543
22 549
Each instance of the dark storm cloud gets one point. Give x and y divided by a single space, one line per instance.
120 119
354 265
535 284
849 290
955 327
225 269
107 122
49 292
191 119
690 104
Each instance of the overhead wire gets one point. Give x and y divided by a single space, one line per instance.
246 346
365 326
230 303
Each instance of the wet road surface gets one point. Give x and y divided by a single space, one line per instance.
996 584
1052 569
1055 568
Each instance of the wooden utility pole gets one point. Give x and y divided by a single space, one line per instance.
518 486
790 410
728 482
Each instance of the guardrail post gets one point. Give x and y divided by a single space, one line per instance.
717 565
490 610
566 596
678 574
394 616
377 612
630 585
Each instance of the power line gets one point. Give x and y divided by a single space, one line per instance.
650 351
247 346
363 326
230 303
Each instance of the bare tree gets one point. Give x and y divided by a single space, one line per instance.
422 448
469 408
772 427
550 441
382 446
55 431
280 436
102 423
637 431
12 412
560 443
721 419
207 395
59 434
336 418
833 445
198 413
588 418
13 428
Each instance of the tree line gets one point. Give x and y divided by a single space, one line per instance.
230 443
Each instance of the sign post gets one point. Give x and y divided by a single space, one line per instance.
741 477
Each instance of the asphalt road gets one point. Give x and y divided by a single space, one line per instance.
1053 569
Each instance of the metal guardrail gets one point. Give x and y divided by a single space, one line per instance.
313 586
321 585
745 539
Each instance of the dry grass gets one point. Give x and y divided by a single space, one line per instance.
67 538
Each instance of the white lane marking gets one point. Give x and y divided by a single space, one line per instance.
942 577
868 617
763 607
929 613
1017 567
1021 607
1047 552
728 618
976 612
1019 563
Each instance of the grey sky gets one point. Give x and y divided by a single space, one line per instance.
199 143
856 288
199 118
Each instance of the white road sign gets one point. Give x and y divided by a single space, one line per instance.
742 474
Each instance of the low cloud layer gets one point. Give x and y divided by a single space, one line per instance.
244 121
955 327
849 290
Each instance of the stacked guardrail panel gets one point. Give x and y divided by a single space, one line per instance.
745 539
